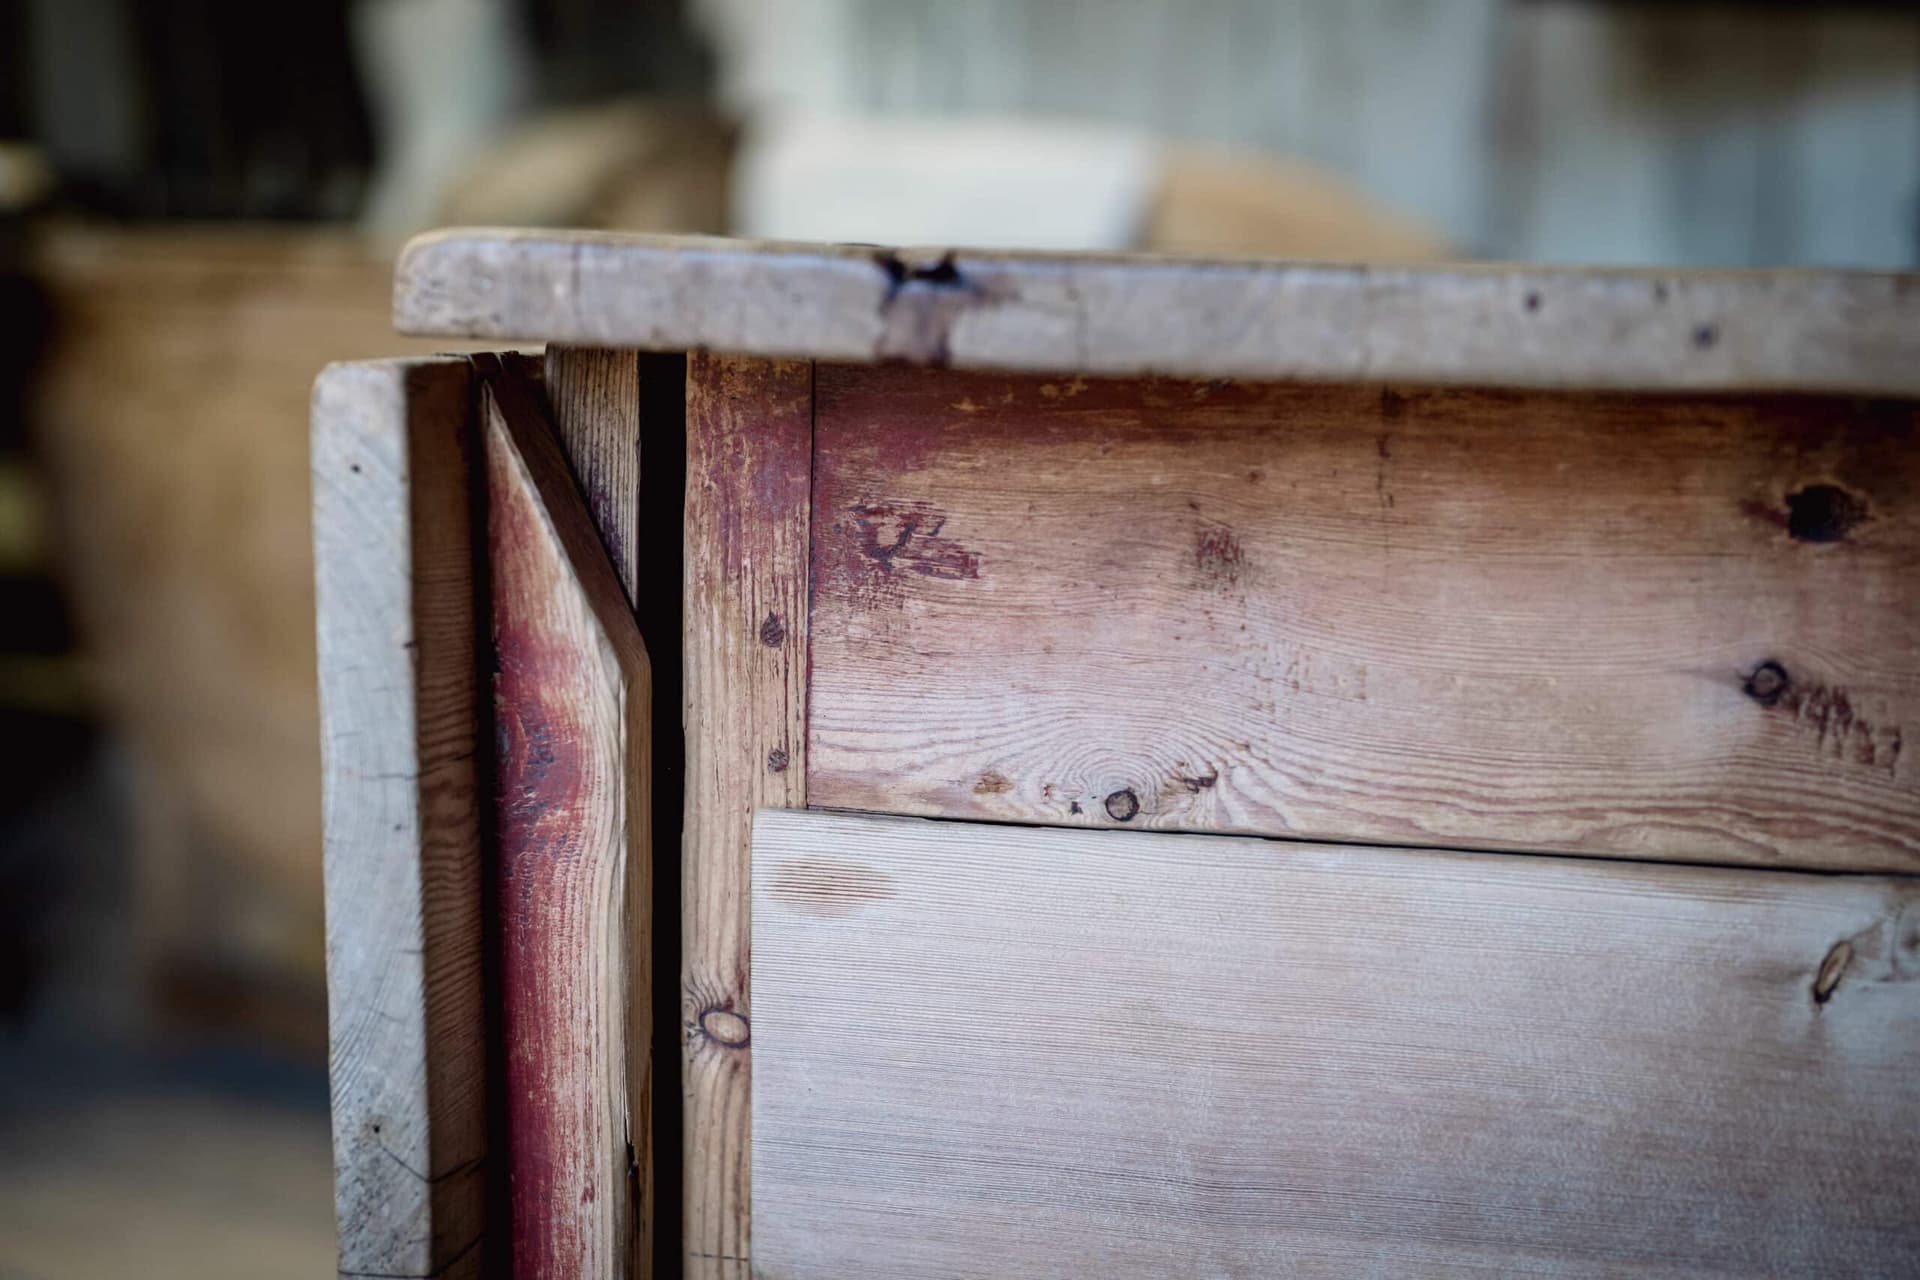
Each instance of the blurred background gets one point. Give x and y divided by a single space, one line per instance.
199 205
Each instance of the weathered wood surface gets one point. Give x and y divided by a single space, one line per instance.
394 561
1662 627
594 398
749 437
1472 325
572 704
995 1051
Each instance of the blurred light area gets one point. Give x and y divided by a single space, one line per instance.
443 76
978 182
1024 184
1387 96
1689 134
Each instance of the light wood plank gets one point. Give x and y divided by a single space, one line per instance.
993 1051
749 438
572 705
394 561
594 397
1657 627
1471 325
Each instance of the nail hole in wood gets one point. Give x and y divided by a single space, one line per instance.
1823 513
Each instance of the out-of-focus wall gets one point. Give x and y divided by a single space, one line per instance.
1686 134
171 415
1711 135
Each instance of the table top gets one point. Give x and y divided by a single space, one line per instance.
1125 315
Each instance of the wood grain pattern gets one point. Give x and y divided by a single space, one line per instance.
572 705
990 1051
1469 325
1655 627
749 437
394 559
594 397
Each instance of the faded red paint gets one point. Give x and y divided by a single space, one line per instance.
873 547
540 787
748 423
1217 556
559 780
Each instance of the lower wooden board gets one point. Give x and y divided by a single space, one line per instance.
1650 626
996 1051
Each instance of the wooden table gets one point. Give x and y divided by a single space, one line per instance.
1231 644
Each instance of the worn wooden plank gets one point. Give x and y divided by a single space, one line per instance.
997 1051
1471 325
394 557
572 705
1666 627
749 436
594 397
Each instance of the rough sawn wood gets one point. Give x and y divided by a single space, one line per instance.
394 560
987 1051
1120 315
1651 626
572 704
749 436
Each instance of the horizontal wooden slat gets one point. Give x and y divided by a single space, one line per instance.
1651 626
1520 326
990 1051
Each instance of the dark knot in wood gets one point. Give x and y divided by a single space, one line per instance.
1768 683
1823 513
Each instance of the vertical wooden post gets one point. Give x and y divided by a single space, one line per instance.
594 397
749 472
393 557
572 705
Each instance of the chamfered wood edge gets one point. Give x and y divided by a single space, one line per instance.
394 570
1832 331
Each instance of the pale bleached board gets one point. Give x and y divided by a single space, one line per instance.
394 560
1652 626
749 437
1473 325
572 702
987 1051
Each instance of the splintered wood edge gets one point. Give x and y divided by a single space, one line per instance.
1555 327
